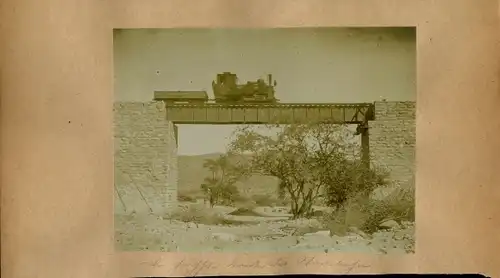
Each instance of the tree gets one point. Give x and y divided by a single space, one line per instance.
311 161
220 186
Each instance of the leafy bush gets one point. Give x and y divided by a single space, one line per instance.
310 161
220 188
350 180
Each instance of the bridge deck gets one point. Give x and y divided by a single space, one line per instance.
209 113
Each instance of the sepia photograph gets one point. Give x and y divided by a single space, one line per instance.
265 140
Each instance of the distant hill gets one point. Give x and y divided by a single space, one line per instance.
192 173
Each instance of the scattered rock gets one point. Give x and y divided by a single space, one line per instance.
319 233
356 230
390 224
407 224
147 232
353 237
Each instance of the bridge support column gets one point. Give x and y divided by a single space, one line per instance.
176 135
145 162
362 130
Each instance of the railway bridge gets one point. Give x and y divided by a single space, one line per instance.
146 137
350 113
281 113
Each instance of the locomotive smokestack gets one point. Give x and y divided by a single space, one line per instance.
270 79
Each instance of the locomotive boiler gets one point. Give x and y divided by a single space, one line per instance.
227 90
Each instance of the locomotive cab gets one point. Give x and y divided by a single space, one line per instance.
226 89
227 78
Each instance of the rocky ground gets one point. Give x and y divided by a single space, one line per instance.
271 232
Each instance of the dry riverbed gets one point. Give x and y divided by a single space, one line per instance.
268 232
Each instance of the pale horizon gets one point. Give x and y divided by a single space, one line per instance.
213 144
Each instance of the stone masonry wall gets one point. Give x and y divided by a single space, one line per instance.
145 172
392 139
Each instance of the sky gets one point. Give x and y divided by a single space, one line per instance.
325 65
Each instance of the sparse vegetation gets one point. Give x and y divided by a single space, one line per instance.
368 214
398 206
303 165
311 161
220 187
192 174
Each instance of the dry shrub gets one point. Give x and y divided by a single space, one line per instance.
367 214
352 214
402 203
398 206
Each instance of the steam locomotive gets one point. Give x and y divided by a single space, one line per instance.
226 91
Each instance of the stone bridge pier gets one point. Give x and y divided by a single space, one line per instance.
392 140
145 160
